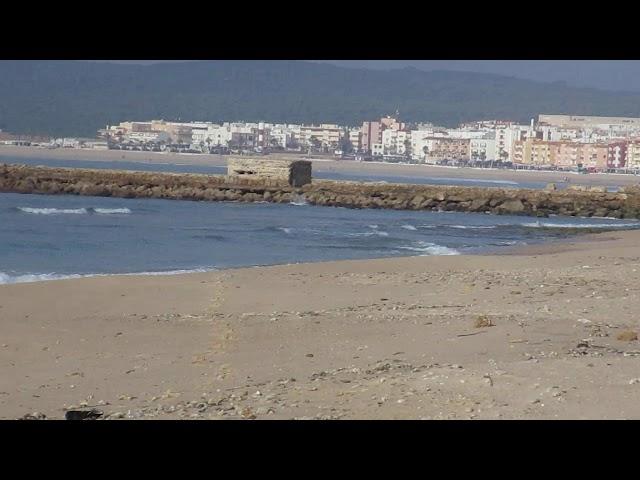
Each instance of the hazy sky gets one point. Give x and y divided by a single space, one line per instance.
605 74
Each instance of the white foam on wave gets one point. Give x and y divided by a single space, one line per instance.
285 230
298 200
112 211
378 233
427 248
74 211
54 211
409 227
6 278
375 227
472 227
578 225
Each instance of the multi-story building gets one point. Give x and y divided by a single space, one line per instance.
533 152
420 143
617 154
594 155
371 134
482 149
147 137
566 154
372 131
325 135
442 148
178 132
396 142
355 138
506 136
280 137
633 154
540 153
377 149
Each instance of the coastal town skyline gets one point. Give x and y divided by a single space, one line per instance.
550 141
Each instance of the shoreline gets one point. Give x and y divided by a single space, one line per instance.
541 248
366 341
325 166
534 336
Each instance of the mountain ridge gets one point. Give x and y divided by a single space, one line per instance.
75 98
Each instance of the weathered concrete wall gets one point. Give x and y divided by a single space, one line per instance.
127 184
295 173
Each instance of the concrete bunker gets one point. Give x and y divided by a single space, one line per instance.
295 173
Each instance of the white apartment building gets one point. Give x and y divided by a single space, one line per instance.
633 155
506 138
377 149
396 142
279 138
421 143
482 149
199 134
213 136
355 137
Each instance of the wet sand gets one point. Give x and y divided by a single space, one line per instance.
542 333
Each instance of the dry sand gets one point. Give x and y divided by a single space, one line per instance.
10 154
401 338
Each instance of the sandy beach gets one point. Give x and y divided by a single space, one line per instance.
544 333
12 153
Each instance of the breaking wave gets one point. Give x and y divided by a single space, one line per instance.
74 211
409 227
378 233
472 227
5 278
111 211
299 200
54 211
579 225
430 249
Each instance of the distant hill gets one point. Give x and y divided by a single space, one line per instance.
76 98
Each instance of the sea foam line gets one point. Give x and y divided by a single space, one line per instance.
6 278
74 211
578 225
430 249
54 211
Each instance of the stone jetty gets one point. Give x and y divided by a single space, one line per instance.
247 188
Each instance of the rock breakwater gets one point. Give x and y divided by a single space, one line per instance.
128 184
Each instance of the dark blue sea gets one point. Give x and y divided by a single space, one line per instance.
46 237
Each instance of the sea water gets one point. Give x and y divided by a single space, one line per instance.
44 237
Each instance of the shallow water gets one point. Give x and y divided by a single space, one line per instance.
46 237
